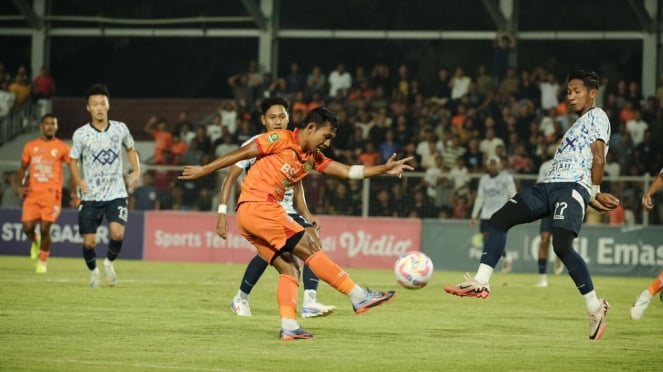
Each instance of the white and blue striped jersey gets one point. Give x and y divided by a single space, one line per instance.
492 194
100 157
288 202
573 159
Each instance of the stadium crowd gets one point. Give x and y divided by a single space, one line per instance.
451 129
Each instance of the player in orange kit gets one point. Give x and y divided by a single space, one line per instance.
644 298
42 159
283 159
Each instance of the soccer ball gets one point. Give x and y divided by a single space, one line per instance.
413 270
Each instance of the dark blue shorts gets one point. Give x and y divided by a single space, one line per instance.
546 224
563 202
300 220
484 225
91 213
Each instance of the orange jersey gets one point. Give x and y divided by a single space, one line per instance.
45 160
280 164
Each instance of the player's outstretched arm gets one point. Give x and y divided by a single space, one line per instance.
392 166
647 203
224 196
192 172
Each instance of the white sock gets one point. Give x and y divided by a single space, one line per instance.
484 273
544 278
310 295
357 294
242 295
95 270
646 295
107 261
591 301
289 324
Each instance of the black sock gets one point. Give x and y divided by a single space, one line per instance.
542 265
310 279
90 257
114 248
253 272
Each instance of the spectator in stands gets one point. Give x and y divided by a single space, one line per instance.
226 145
7 99
635 95
340 81
389 146
503 46
459 84
473 156
296 81
316 81
243 93
20 86
202 140
381 77
145 197
510 82
178 148
228 115
163 139
612 168
244 131
648 154
369 156
636 127
550 90
488 144
214 129
186 133
44 85
382 205
458 174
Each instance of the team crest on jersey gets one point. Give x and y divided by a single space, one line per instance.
308 165
54 152
272 138
287 184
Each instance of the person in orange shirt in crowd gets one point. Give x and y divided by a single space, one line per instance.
178 148
163 139
42 160
284 158
44 85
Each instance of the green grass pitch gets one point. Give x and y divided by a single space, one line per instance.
176 317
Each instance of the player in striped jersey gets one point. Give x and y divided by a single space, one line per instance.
495 189
572 184
97 152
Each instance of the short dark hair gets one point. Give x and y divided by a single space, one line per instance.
321 116
589 78
97 89
273 101
46 116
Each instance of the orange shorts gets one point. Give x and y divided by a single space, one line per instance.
267 226
42 207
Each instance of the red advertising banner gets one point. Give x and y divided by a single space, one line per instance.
349 241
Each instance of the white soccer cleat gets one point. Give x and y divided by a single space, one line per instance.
40 267
543 283
109 272
597 320
240 307
95 281
640 305
314 309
